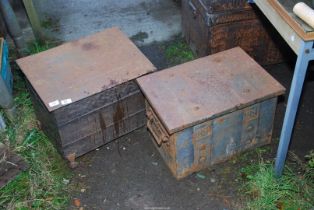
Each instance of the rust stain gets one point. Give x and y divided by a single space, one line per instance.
247 90
112 83
118 117
89 46
221 120
104 87
102 125
217 59
168 151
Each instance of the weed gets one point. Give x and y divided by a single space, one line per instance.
309 170
310 158
140 36
36 47
42 185
290 191
179 52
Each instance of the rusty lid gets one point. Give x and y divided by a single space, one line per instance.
78 69
206 88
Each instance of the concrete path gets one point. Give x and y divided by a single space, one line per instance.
145 21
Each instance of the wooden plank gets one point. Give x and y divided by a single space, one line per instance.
285 30
33 18
300 29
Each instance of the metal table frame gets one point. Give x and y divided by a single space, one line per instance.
305 53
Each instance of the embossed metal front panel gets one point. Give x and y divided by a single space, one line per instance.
214 141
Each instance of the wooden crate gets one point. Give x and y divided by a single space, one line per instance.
84 91
211 26
203 112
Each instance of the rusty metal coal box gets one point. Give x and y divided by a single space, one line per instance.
84 91
203 112
211 26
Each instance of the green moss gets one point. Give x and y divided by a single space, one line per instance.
36 47
49 23
140 36
179 52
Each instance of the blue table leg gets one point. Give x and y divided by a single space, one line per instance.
304 56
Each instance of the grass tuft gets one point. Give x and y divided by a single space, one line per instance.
179 52
36 47
264 191
42 186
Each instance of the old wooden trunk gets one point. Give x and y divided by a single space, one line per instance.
211 26
84 91
204 111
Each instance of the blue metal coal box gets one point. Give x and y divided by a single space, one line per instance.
207 110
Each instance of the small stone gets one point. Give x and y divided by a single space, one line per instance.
97 149
198 189
123 148
108 148
77 202
83 190
212 180
65 181
155 163
73 164
201 176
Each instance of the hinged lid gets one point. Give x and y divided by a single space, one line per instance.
193 92
217 12
81 68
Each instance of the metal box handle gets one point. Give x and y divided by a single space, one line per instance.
156 128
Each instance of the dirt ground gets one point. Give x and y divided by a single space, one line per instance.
130 173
